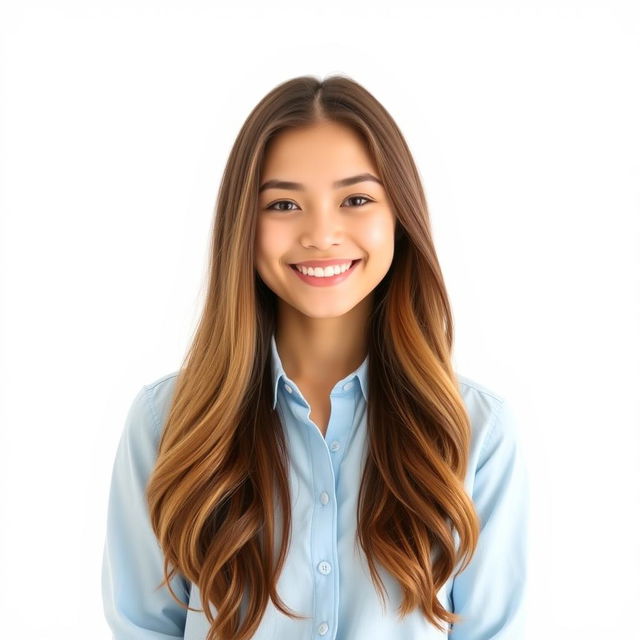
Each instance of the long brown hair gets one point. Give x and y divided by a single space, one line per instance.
222 467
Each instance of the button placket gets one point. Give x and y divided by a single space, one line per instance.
323 535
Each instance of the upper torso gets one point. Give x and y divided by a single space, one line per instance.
325 576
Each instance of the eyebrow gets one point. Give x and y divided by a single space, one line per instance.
345 182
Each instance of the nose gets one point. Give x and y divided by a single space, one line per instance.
322 228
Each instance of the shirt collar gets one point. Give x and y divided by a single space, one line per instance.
277 371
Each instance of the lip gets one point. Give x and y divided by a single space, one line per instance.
324 263
327 282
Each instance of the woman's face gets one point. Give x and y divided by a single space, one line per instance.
313 218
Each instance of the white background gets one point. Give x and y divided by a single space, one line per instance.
116 119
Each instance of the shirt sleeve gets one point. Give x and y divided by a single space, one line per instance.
132 564
490 592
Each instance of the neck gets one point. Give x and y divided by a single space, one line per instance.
321 351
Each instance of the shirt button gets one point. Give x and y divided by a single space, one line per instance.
324 567
348 386
323 628
324 497
335 445
288 388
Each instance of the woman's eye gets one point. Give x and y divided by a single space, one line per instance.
285 202
359 198
273 206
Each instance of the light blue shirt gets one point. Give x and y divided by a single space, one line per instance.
324 576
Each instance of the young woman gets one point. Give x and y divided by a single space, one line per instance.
316 468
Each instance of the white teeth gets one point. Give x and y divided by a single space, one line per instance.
327 272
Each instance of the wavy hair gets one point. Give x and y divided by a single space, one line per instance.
222 467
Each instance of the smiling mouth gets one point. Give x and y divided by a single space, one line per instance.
353 264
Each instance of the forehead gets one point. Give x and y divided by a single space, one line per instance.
325 150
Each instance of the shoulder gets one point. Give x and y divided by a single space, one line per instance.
162 386
159 394
494 426
470 386
483 403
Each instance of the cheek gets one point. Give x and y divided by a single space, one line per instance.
271 246
378 234
268 240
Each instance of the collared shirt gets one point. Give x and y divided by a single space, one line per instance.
325 577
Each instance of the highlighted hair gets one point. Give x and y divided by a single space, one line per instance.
221 475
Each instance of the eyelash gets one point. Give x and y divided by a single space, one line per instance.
271 206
